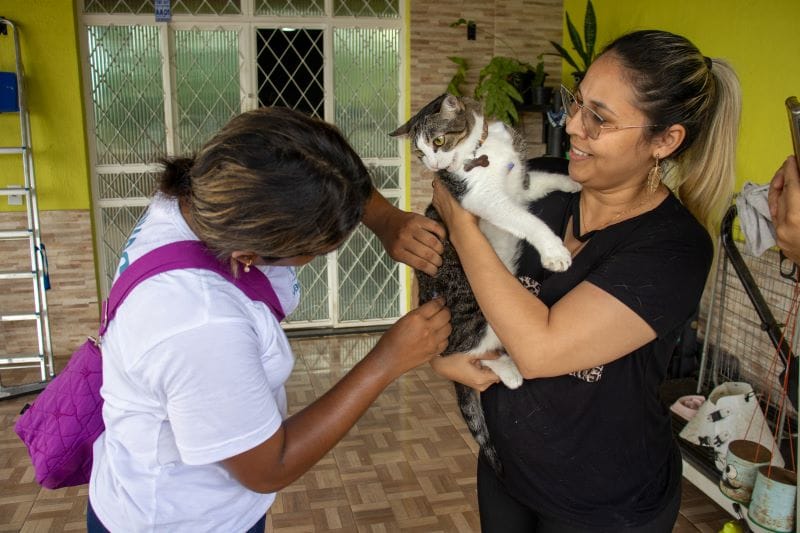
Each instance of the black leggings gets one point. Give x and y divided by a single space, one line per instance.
502 513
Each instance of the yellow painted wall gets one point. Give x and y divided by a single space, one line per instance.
49 46
761 39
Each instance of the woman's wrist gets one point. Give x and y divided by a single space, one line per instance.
379 364
377 211
448 366
436 365
463 231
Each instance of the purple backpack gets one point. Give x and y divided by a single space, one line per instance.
61 425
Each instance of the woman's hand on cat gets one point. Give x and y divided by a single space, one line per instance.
414 240
408 238
453 215
419 336
467 369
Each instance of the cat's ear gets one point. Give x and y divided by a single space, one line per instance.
451 106
402 131
472 105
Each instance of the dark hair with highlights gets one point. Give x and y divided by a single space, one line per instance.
675 84
273 181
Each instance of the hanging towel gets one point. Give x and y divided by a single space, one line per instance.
754 219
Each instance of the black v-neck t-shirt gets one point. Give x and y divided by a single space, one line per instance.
595 447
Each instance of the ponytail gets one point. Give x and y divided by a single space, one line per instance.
176 178
707 170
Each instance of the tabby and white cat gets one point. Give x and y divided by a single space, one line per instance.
483 165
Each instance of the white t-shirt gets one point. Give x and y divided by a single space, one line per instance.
193 373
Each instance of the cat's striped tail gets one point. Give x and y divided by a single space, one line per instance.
470 403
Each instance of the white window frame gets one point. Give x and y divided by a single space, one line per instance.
247 25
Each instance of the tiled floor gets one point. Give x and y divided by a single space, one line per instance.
408 464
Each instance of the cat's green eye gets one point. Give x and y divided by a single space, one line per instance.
438 141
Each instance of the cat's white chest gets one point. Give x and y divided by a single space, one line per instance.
505 244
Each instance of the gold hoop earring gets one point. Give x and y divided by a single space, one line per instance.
654 177
247 265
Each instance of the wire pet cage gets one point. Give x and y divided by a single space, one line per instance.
743 333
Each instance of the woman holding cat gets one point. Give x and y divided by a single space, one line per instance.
197 436
585 443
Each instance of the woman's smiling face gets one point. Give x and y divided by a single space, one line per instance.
617 158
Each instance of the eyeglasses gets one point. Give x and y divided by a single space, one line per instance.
593 124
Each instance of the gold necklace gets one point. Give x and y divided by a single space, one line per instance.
647 198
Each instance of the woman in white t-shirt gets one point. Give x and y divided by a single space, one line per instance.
197 435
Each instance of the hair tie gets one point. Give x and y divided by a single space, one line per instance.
709 62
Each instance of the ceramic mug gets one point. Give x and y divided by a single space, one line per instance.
772 505
743 459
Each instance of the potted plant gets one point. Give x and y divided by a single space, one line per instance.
539 94
454 87
583 47
530 84
496 88
504 85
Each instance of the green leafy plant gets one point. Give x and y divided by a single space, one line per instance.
583 47
495 88
497 92
539 74
498 87
454 87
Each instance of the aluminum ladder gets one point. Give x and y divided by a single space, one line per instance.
36 270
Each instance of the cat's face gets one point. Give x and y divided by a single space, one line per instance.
438 130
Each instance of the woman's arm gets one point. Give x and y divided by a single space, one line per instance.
586 328
466 369
304 438
409 238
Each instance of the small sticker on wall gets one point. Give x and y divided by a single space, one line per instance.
163 11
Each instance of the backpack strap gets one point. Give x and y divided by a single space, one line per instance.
186 254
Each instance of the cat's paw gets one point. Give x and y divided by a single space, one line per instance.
555 258
506 370
512 380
